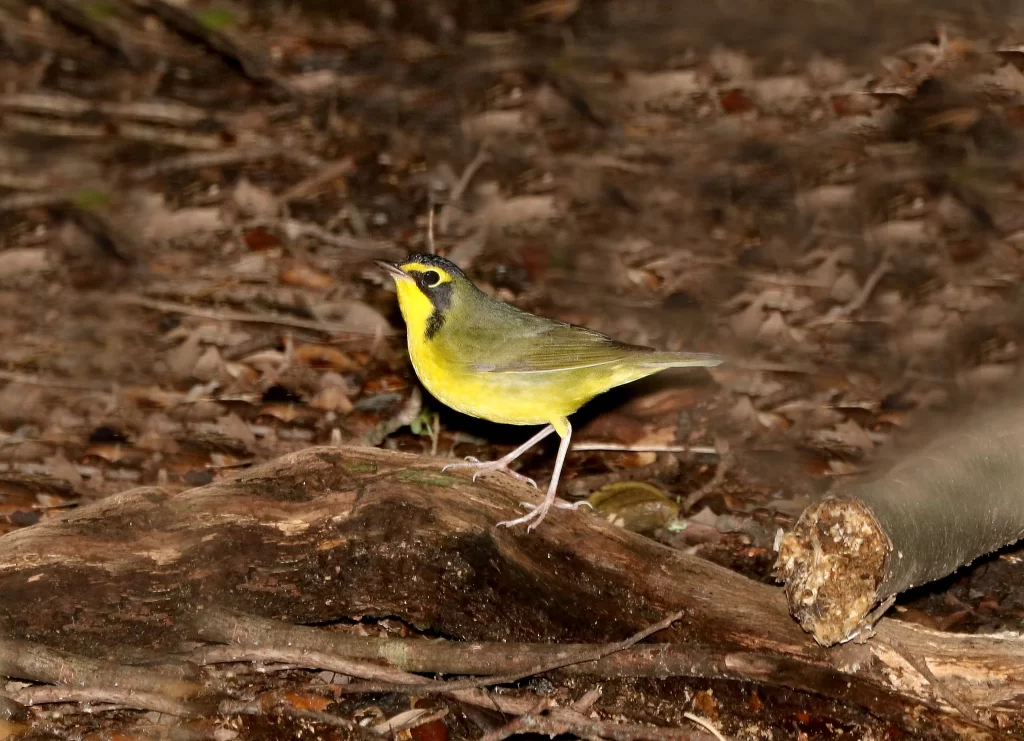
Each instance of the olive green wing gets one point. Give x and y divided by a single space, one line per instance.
532 344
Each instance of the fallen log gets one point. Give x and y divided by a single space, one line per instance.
940 508
332 534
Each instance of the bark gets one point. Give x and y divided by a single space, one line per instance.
333 534
939 509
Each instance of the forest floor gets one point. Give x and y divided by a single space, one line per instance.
189 216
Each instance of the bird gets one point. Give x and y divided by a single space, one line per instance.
491 360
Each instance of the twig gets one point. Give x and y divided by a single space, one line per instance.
11 710
587 654
940 688
418 721
268 704
621 448
330 171
236 156
123 697
841 312
560 721
56 383
724 462
330 662
73 14
232 316
253 64
460 188
36 663
706 724
522 723
294 228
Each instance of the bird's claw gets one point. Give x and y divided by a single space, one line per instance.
483 467
561 504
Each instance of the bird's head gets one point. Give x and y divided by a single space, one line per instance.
427 286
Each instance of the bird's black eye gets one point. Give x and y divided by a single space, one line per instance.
431 278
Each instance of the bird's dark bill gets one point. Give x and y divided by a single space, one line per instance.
391 268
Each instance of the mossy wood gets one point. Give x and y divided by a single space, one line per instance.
332 534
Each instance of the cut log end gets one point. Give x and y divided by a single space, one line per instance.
833 563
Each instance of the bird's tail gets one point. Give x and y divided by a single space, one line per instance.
661 359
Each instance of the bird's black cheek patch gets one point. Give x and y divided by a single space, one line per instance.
441 297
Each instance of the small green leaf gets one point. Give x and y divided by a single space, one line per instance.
216 18
634 506
89 198
99 11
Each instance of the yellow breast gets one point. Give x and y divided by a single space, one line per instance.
497 397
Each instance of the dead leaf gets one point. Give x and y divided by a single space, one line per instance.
907 232
332 399
233 426
295 273
210 366
253 200
497 124
986 376
20 260
182 359
305 701
324 356
731 65
852 434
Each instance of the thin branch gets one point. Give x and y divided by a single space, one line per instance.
293 228
56 383
460 189
942 691
586 654
235 156
74 15
120 696
36 663
706 724
233 316
254 64
310 185
329 662
622 448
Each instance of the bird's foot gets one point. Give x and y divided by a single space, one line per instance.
485 466
537 514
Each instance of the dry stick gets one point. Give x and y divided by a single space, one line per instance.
620 448
36 663
559 721
942 507
705 724
56 383
232 316
294 228
721 470
123 697
942 691
460 189
255 65
329 662
308 186
10 709
73 14
235 156
222 626
861 298
522 723
261 707
589 653
447 657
